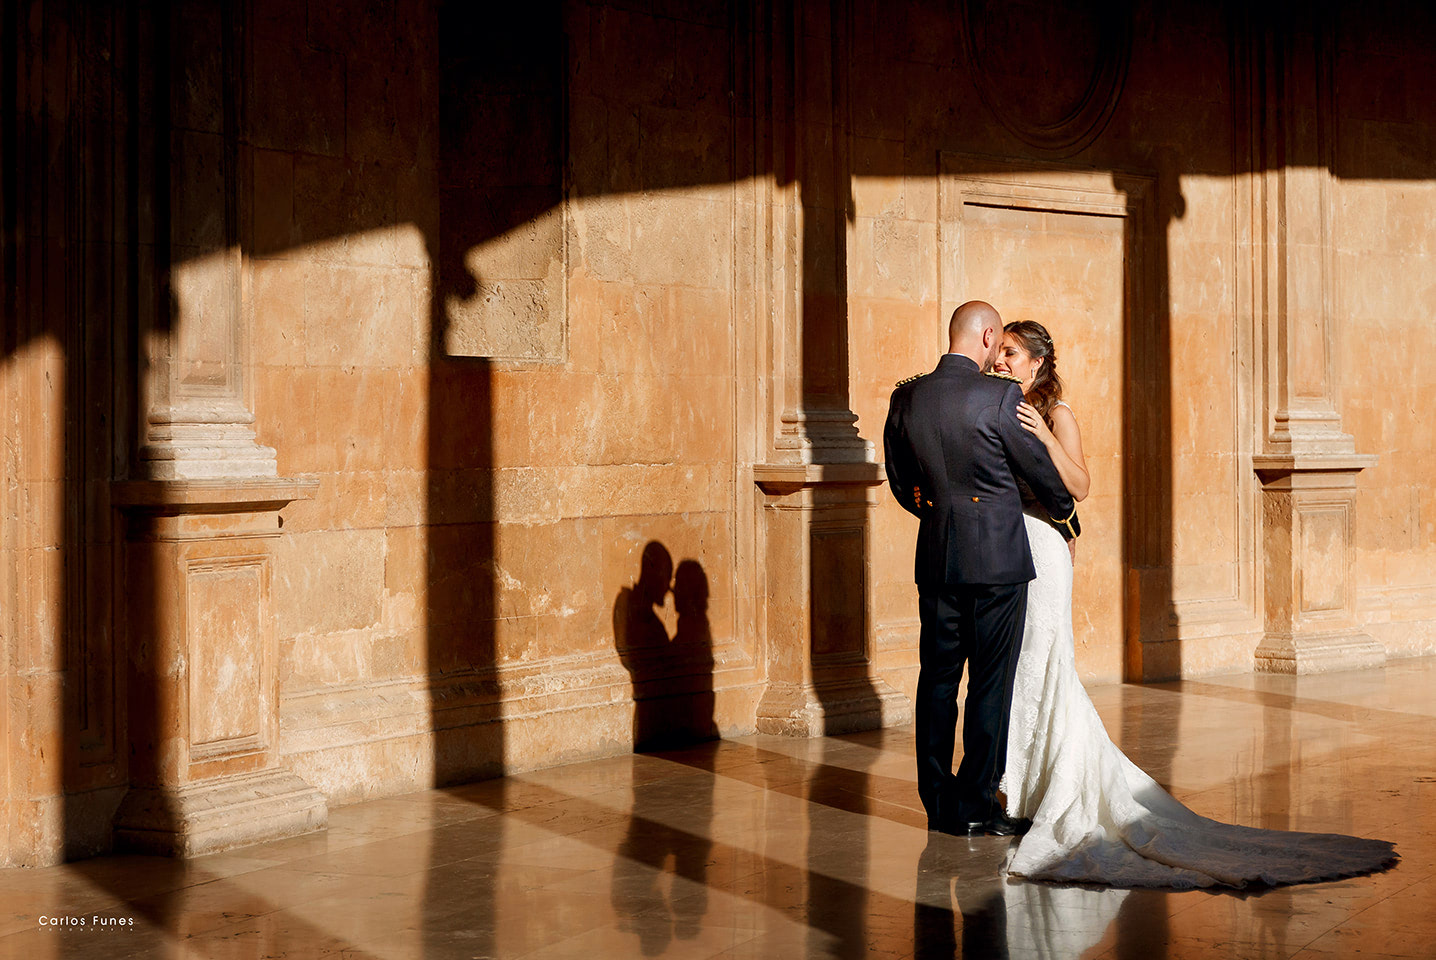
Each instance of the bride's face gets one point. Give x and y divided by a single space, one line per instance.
1011 358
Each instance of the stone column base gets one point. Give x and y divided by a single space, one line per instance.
825 708
1319 653
1308 503
218 814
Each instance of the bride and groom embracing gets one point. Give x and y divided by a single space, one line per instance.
987 456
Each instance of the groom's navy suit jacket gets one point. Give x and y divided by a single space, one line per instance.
954 435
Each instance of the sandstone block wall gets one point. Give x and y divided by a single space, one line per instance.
579 321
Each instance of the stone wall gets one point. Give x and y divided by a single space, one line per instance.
1385 296
400 394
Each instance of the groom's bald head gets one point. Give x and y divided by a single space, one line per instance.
975 331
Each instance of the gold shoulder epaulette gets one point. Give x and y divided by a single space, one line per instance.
910 379
1004 376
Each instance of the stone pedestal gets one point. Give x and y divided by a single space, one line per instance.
1307 505
819 655
202 680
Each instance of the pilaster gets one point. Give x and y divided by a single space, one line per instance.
820 678
1293 152
197 421
1307 464
820 472
200 512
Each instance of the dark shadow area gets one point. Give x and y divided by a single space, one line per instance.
838 843
693 638
499 142
825 784
463 900
1143 926
80 146
672 677
1147 539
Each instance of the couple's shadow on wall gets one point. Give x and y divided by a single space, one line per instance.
672 675
660 876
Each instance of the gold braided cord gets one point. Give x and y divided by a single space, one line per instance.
1068 522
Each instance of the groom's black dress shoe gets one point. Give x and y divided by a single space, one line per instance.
1000 825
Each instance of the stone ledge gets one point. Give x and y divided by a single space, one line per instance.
1285 471
785 478
213 496
217 815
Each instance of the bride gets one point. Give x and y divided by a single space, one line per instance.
1095 816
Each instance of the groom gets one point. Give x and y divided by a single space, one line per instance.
955 452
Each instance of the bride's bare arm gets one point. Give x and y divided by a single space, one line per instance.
1064 445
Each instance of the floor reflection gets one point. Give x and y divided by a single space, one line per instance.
837 909
767 847
964 906
960 887
659 887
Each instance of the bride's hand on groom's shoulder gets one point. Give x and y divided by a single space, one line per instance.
1033 423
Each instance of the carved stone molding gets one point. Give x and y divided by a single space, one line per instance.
823 436
1081 50
205 441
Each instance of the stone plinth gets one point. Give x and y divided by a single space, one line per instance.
820 678
1307 505
203 696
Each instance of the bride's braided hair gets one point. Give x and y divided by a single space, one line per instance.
1037 344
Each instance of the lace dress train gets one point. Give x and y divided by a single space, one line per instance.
1097 818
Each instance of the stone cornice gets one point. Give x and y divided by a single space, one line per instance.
1310 470
785 478
213 496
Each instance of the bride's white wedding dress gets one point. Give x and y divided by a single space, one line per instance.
1096 817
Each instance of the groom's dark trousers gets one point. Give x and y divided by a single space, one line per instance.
979 625
955 450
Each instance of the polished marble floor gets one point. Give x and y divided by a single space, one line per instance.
767 847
